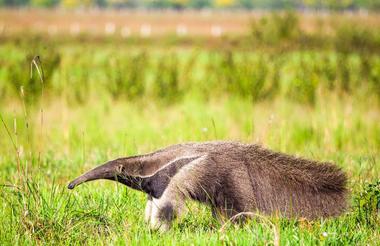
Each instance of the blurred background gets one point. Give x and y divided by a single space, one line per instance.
169 49
292 74
82 82
195 54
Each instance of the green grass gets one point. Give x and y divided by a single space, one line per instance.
77 73
105 100
37 208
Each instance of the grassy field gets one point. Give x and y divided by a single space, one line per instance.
106 99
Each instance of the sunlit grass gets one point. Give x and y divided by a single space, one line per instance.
37 208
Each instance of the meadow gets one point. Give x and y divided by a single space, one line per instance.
91 98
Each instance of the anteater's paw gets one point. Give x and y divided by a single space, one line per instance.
159 225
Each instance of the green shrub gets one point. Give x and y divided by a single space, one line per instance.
166 84
367 203
127 75
276 28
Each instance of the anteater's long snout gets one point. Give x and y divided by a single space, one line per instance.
77 181
106 171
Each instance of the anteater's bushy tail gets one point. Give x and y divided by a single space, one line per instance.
301 187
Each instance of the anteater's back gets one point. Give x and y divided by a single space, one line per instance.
276 182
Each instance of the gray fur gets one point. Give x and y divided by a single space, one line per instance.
231 177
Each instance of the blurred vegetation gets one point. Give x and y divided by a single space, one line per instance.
275 60
75 73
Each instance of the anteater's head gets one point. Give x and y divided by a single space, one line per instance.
118 170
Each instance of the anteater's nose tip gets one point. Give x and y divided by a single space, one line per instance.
71 186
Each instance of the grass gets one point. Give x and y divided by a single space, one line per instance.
37 208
